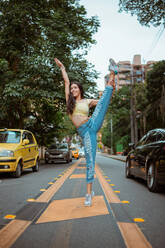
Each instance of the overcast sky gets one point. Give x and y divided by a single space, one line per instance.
120 36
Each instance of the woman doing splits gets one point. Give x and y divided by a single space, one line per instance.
78 110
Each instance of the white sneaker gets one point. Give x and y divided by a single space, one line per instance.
113 66
88 200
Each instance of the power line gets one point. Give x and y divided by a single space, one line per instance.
156 40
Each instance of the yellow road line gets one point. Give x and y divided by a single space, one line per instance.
109 193
11 232
48 194
133 236
131 233
74 176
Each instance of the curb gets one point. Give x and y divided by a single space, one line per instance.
123 160
114 157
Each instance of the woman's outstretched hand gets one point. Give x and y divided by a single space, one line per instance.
59 64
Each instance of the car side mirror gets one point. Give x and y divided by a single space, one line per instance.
25 142
132 145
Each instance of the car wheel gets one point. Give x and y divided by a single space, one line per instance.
36 167
152 183
18 171
127 169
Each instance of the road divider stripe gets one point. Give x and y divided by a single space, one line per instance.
133 236
75 176
49 193
11 232
109 193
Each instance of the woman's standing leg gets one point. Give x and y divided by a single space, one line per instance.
90 143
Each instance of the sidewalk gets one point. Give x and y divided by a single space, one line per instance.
117 157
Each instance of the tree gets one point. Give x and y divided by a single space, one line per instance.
141 107
155 88
148 12
155 80
32 33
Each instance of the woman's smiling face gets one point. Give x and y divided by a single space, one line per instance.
74 89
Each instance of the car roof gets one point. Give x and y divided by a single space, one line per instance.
10 129
158 130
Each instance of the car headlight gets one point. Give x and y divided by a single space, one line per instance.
6 153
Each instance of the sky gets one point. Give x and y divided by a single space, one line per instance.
120 36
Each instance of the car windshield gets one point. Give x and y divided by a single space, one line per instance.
58 146
10 137
63 146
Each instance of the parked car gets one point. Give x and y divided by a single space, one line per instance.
58 152
18 151
75 152
147 159
81 152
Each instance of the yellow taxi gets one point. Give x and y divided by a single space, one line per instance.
75 152
18 151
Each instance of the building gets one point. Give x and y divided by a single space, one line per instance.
129 72
124 75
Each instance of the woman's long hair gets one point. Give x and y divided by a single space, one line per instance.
71 100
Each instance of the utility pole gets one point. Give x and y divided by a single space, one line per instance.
133 120
111 123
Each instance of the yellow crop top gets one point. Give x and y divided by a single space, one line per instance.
82 108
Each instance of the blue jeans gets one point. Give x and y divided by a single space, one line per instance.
88 132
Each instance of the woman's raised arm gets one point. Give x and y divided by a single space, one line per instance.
65 77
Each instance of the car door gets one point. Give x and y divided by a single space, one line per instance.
143 153
138 156
25 151
32 149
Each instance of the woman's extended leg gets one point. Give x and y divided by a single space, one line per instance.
102 106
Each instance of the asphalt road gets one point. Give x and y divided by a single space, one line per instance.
47 208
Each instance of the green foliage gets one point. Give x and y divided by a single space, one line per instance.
147 11
32 33
155 84
155 81
141 96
